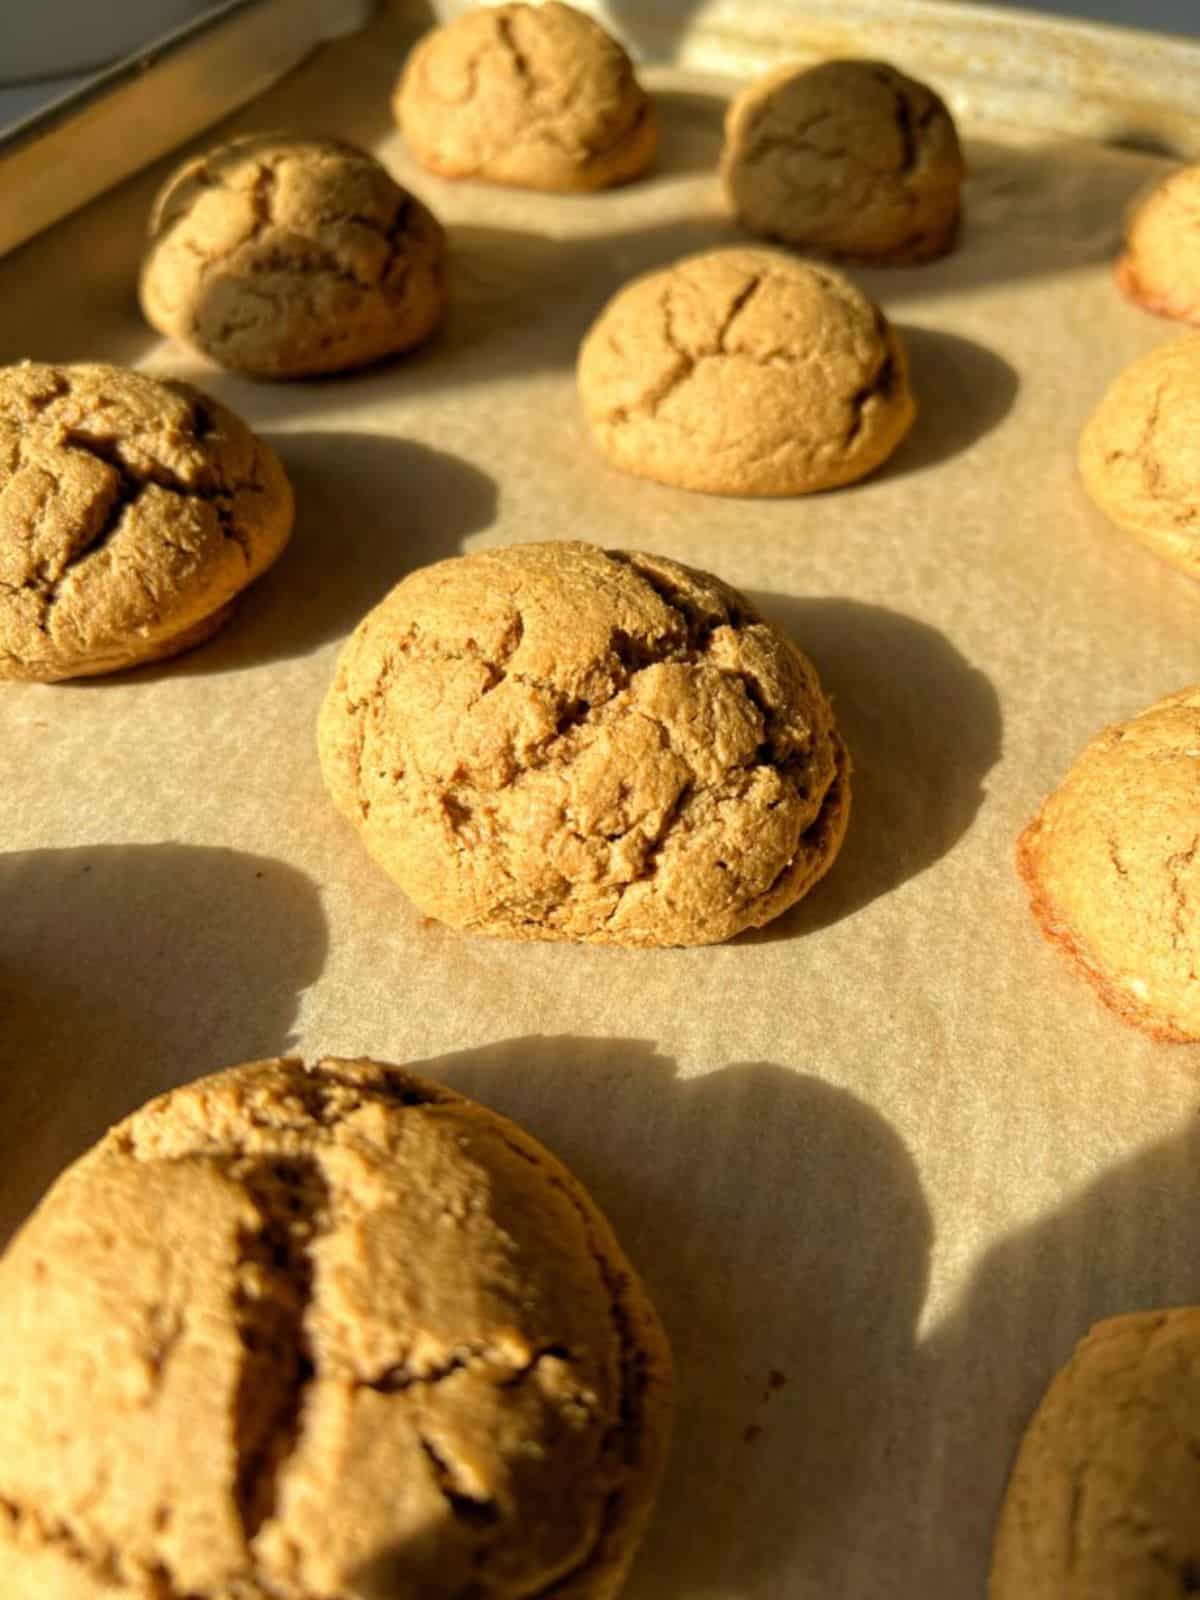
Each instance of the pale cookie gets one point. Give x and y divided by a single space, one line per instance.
132 511
1104 1499
1112 863
1159 267
314 1332
745 372
1139 455
553 741
848 157
283 258
536 96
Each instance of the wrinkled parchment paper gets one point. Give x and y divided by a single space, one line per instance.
882 1163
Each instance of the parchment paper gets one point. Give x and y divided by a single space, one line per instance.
881 1164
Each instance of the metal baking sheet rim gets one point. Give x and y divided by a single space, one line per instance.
1079 79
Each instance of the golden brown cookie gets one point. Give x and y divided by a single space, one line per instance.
1112 863
283 258
1159 267
848 157
537 96
132 511
1139 455
316 1332
552 741
745 371
1104 1499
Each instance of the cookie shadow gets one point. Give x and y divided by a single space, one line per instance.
963 391
789 1304
369 509
128 969
692 124
923 728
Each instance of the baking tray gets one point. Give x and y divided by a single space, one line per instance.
881 1163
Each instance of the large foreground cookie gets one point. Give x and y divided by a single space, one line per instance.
132 511
849 157
1139 455
1104 1500
1113 868
537 96
745 372
283 257
553 741
305 1332
1159 267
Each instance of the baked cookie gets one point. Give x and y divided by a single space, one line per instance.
537 96
323 1331
1113 870
553 741
283 258
1139 455
132 511
745 372
848 157
1104 1499
1159 267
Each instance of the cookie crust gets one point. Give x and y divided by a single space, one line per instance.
554 741
282 257
851 158
132 511
1111 865
745 372
539 97
376 1342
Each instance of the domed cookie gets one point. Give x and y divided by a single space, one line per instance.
132 511
284 258
536 96
1139 455
553 741
1113 870
1102 1504
1159 267
745 372
848 157
323 1331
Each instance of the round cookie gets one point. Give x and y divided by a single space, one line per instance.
540 97
132 511
745 372
1159 267
553 741
1102 1500
1113 870
323 1331
285 258
1139 454
848 157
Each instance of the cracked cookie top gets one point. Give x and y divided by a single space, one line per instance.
323 1331
536 96
745 371
282 257
1139 455
1159 267
1102 1500
1111 863
849 157
132 511
553 741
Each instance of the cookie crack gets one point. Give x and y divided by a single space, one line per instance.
274 1290
475 1510
878 388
